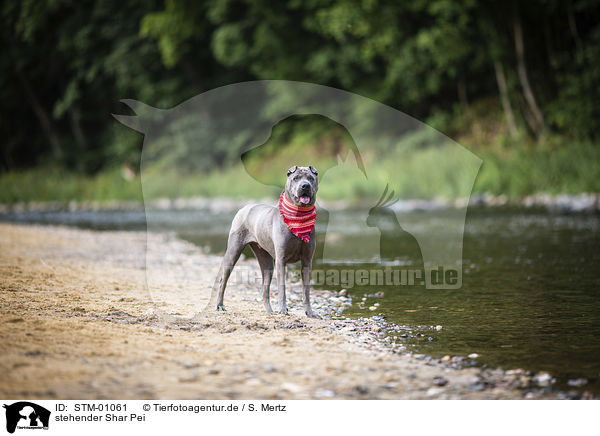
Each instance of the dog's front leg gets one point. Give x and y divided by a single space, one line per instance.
306 271
280 268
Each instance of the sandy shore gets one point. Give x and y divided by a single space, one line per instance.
77 321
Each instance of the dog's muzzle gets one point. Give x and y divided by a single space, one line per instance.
304 193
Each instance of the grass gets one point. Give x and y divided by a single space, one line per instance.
515 172
54 184
549 169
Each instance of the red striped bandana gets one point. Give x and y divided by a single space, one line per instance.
300 220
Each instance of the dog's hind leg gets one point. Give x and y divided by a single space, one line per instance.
266 268
235 245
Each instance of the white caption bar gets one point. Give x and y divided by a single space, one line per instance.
265 417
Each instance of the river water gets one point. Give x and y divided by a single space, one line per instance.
530 296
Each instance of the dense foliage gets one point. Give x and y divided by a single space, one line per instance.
65 65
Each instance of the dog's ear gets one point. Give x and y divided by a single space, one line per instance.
313 170
292 170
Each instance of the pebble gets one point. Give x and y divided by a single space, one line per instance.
440 381
324 393
291 387
473 356
373 308
253 382
343 292
362 390
543 379
476 387
446 358
577 382
431 392
189 379
438 327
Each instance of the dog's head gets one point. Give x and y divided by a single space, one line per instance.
302 185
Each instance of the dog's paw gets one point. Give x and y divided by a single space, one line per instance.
312 315
269 311
283 311
220 308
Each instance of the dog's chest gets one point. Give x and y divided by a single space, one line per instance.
293 250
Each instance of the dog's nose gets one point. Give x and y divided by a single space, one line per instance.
305 185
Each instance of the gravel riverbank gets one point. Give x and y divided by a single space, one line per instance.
78 321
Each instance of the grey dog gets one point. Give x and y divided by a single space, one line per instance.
262 227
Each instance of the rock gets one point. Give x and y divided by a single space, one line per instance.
431 392
188 379
324 393
253 381
291 387
269 368
473 356
476 387
524 381
438 327
440 381
446 358
577 382
343 293
373 308
458 359
361 390
543 379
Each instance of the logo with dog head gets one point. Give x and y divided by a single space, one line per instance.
26 415
393 191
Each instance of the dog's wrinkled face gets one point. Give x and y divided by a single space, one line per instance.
302 185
